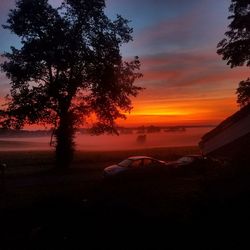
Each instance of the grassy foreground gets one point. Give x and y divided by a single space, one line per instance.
27 162
76 209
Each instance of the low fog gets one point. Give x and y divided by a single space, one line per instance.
190 137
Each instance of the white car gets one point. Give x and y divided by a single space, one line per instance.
132 163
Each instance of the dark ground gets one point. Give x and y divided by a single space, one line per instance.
78 209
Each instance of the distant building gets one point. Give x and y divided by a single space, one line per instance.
231 138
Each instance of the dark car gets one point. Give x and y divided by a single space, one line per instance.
190 163
133 164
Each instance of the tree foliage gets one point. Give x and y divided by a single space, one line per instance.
68 68
235 48
243 93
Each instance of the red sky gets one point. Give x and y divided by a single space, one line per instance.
188 88
185 81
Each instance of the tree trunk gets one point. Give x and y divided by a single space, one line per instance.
65 145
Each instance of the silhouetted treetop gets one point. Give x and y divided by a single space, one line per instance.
235 48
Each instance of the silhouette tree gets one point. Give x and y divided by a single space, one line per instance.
235 49
243 93
69 67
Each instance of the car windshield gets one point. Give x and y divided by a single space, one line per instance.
185 159
124 163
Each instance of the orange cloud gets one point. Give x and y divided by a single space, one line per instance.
175 112
186 88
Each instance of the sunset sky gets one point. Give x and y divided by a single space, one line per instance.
186 81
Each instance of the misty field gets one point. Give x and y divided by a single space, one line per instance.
43 208
24 162
87 142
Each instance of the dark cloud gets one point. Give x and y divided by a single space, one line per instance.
194 74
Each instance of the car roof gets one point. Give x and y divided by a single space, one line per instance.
133 158
194 156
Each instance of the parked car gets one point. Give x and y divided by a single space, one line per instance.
191 163
133 163
190 159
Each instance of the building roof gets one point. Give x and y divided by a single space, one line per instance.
243 112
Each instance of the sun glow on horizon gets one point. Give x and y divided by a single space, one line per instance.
163 114
206 111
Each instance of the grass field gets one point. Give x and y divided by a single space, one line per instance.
42 208
26 161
